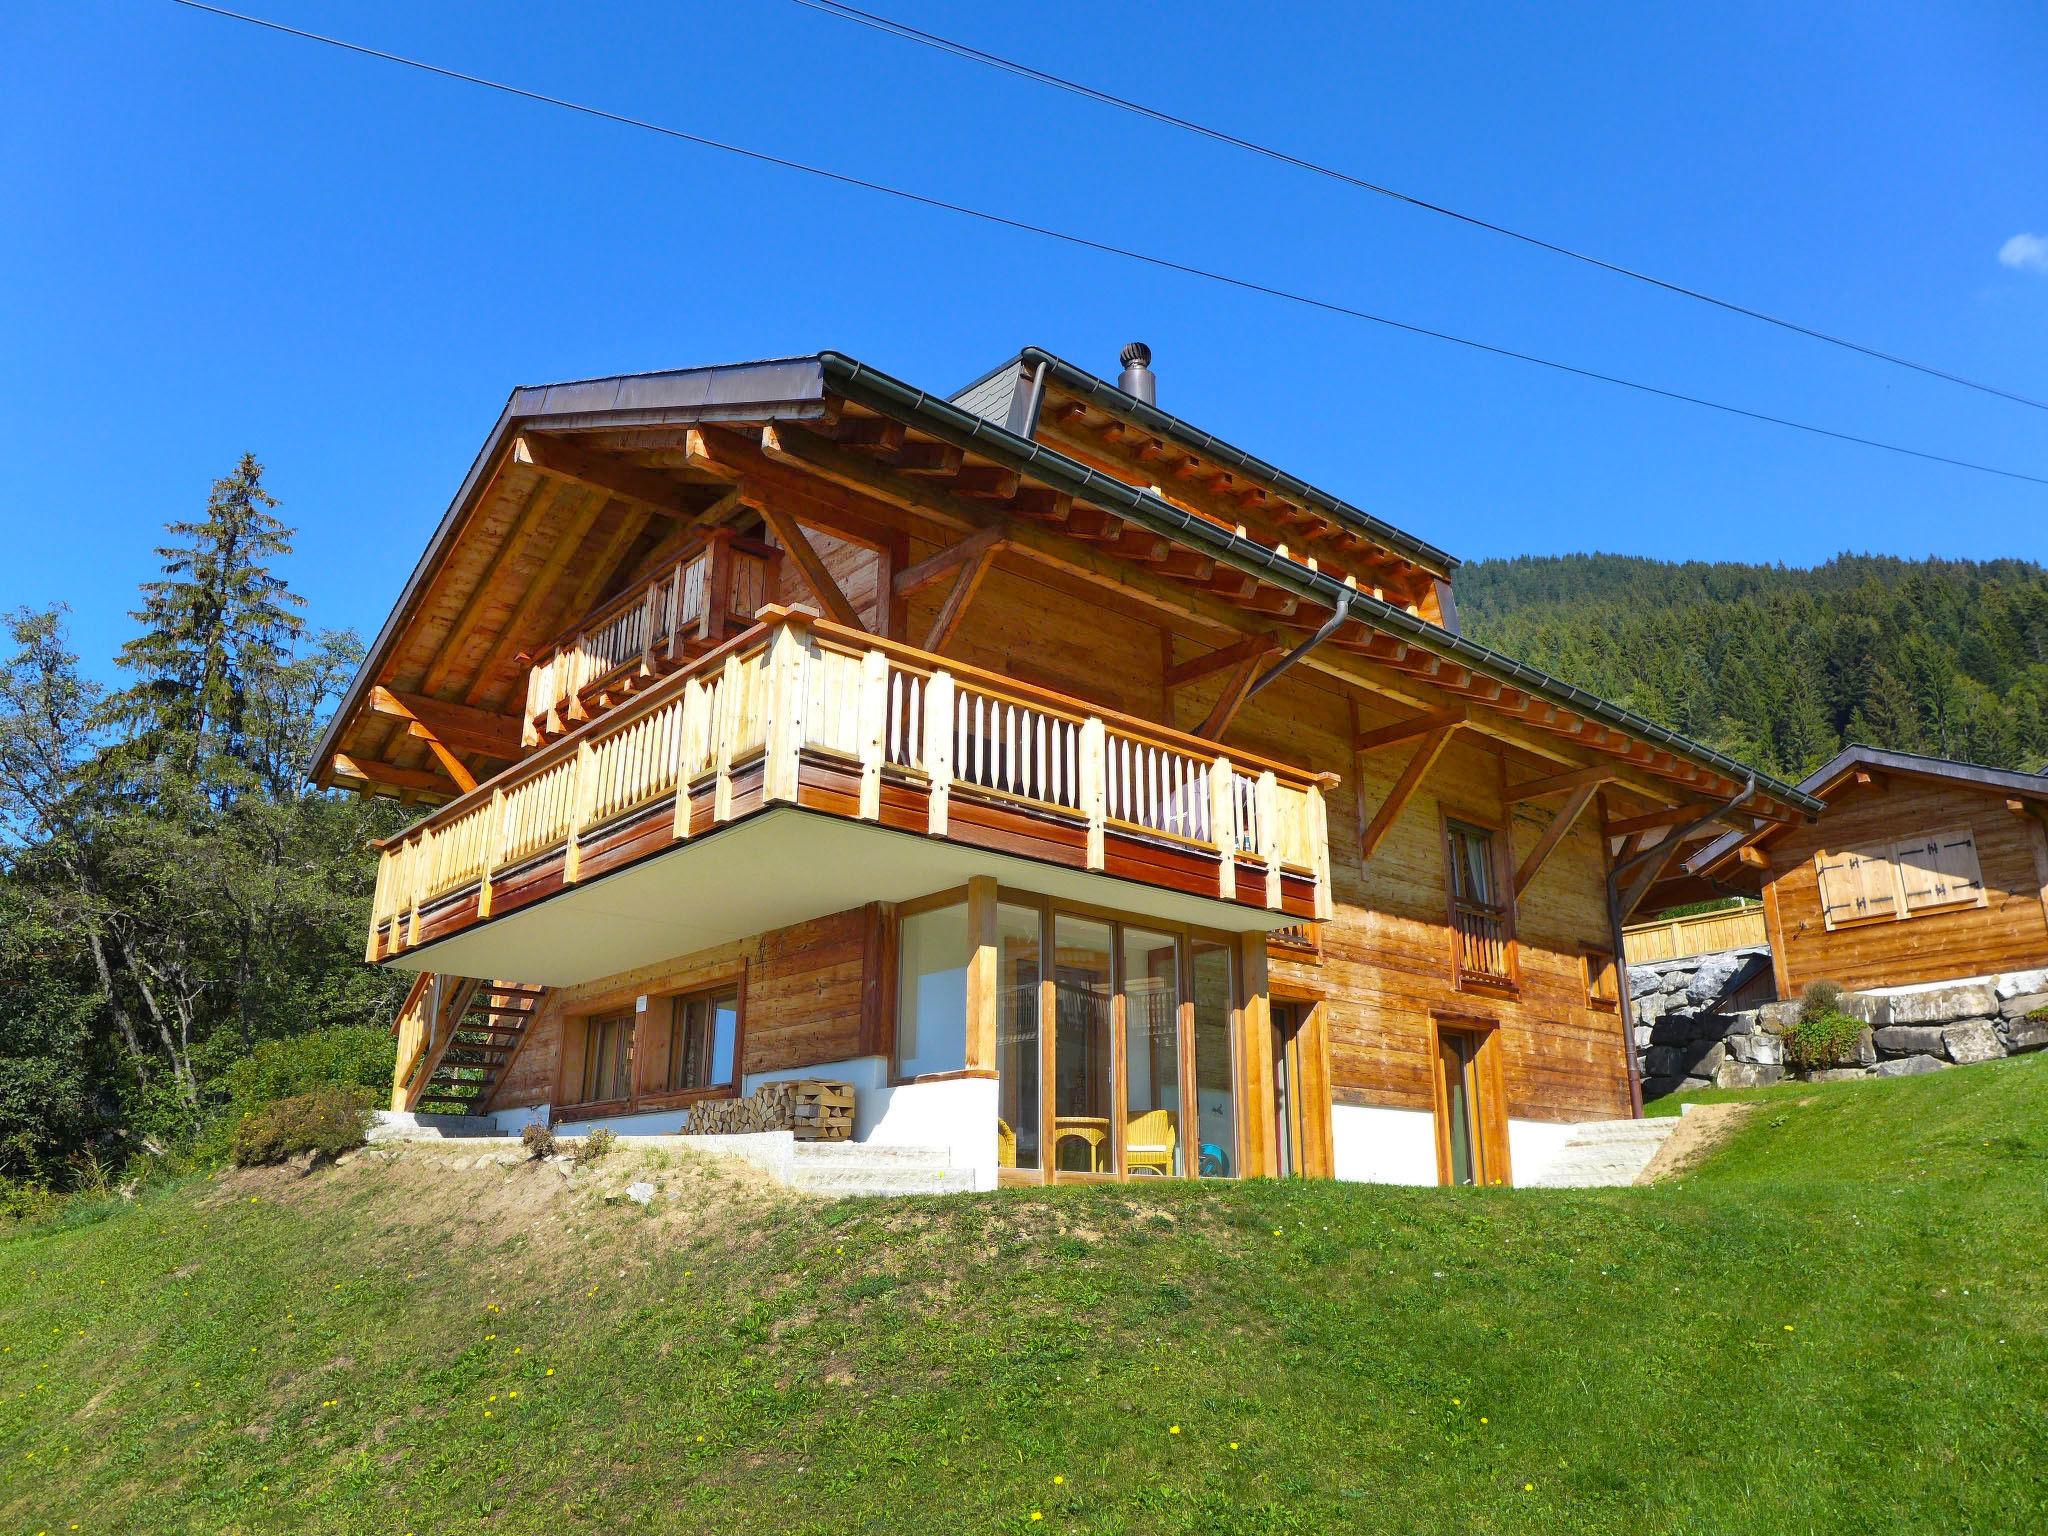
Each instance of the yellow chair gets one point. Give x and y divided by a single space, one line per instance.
1149 1142
1006 1145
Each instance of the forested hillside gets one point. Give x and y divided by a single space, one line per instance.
1782 667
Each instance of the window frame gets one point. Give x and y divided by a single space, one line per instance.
1888 854
675 1003
1497 836
647 1022
1596 960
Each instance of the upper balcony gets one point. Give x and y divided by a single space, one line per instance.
802 767
648 631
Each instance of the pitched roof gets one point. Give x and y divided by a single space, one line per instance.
2001 781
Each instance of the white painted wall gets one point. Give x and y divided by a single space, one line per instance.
1373 1145
513 1121
1533 1145
959 1115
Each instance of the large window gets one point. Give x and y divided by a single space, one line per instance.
1084 1013
1155 1131
1215 1067
607 1057
931 992
1019 969
703 1034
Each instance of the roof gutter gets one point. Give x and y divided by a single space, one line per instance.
966 430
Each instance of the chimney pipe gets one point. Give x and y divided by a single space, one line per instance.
1137 380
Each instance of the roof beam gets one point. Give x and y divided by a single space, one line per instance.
953 612
1229 655
1650 821
1411 777
937 567
1560 783
389 775
1553 835
537 592
1407 730
563 461
437 671
1236 689
817 576
482 731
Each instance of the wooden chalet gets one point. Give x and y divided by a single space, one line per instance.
1098 800
1918 870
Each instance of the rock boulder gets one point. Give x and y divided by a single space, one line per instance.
1908 1039
1971 1041
1941 1005
1909 1066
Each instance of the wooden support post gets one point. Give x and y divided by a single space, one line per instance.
579 810
1319 852
874 730
422 847
727 726
1223 828
788 692
717 585
494 831
1269 835
380 903
938 750
695 735
1255 1057
1095 786
983 973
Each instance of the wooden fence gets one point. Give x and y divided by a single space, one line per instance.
1702 934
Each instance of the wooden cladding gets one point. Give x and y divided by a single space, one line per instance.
1891 881
795 707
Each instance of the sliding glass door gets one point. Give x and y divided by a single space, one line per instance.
1084 1046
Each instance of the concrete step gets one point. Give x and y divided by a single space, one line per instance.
837 1180
828 1154
1605 1154
390 1125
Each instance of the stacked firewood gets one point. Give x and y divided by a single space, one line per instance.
813 1109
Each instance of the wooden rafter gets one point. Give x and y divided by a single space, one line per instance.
1237 688
791 536
564 461
1411 728
953 612
390 775
438 669
935 569
1425 757
1182 673
1650 821
537 591
1553 835
482 731
1568 782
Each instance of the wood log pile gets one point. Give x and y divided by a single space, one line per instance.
815 1110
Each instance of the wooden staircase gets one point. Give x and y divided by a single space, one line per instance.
456 1037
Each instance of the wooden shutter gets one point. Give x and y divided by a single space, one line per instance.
1940 870
1856 885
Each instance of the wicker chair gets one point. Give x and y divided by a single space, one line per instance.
1149 1142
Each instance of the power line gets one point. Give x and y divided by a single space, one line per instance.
967 51
1247 285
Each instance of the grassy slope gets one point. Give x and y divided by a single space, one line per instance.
1336 1357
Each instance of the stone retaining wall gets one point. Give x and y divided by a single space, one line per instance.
1691 1032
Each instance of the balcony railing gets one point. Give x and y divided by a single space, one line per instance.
646 631
799 710
1480 930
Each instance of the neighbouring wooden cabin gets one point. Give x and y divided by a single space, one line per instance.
1918 870
1097 799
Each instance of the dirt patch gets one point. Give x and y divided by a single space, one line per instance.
1701 1131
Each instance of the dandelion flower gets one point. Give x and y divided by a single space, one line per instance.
1173 1429
1788 1327
513 1393
1482 1418
1038 1514
488 1337
1058 1480
1233 1445
551 1370
700 1439
1528 1487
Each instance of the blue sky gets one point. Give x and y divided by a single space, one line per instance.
218 239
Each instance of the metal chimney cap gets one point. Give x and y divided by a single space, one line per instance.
1137 352
1137 379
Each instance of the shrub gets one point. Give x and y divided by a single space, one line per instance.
1820 999
1820 1040
598 1144
347 1056
538 1140
326 1122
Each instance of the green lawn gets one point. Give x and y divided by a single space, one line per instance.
1838 1324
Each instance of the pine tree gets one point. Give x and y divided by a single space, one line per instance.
214 629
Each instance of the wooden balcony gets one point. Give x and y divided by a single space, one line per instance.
1484 943
647 632
801 713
